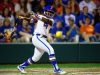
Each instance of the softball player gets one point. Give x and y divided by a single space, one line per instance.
41 33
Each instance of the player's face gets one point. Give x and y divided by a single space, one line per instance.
49 14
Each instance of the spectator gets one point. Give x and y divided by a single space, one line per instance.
60 18
87 31
58 6
85 14
89 3
57 32
6 4
59 12
7 14
67 15
74 6
18 21
24 32
97 31
71 31
24 7
8 29
16 6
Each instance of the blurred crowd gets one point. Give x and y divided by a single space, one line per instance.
74 20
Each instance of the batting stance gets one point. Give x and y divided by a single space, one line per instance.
39 38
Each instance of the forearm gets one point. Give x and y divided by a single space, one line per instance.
25 34
47 21
68 33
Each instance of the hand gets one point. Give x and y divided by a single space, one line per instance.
20 17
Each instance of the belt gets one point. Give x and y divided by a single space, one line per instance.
40 35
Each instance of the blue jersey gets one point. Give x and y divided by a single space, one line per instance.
58 18
55 29
29 30
97 28
82 17
1 32
8 29
1 29
73 32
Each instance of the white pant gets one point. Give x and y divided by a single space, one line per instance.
41 46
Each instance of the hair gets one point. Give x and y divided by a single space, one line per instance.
9 12
25 5
85 7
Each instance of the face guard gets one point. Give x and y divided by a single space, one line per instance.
49 11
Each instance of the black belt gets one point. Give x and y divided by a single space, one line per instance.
41 35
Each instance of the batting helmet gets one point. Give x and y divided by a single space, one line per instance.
49 11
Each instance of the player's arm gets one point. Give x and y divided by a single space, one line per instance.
29 19
22 17
47 21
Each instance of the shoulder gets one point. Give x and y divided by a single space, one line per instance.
19 28
67 27
81 15
12 27
90 15
1 27
42 16
52 20
72 15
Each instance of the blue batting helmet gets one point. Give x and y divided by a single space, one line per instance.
49 9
